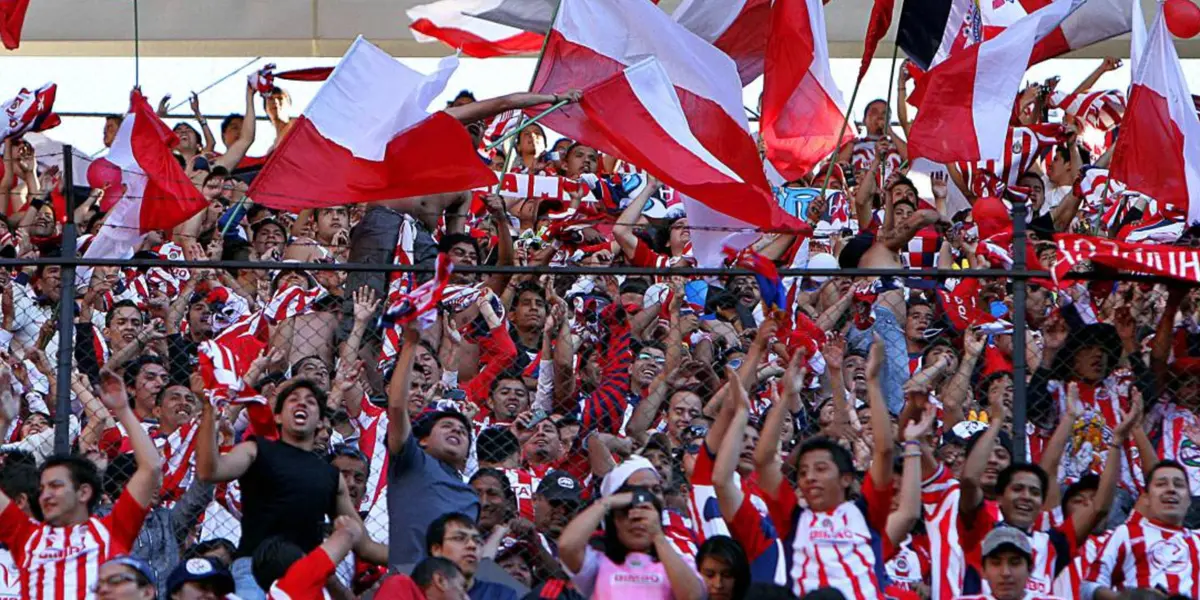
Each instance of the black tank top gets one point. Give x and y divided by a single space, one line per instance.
287 491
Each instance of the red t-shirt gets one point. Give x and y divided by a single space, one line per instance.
61 563
305 579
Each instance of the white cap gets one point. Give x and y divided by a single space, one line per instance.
618 476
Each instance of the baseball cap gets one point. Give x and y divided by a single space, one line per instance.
821 261
1003 536
201 569
138 565
560 486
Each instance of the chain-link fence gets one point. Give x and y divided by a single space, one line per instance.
555 375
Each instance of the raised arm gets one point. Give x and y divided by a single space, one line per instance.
881 420
145 482
399 425
10 409
1086 519
729 494
622 230
1108 64
238 149
486 109
971 496
955 397
211 465
498 211
768 462
210 140
1052 454
900 522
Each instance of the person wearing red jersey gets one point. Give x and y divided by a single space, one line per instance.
1007 559
288 574
1154 552
60 557
835 541
1021 491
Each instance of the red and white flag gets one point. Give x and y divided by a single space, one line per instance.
593 41
156 194
968 117
451 22
367 136
30 111
12 19
641 116
802 108
1093 21
1158 150
736 27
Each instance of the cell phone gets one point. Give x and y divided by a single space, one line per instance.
456 395
539 415
642 495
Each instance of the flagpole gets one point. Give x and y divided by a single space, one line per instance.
510 156
216 83
842 134
891 84
526 123
137 53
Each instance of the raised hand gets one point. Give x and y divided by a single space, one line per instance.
939 181
917 430
350 526
10 405
1110 63
112 392
1130 418
834 351
1074 404
365 304
875 358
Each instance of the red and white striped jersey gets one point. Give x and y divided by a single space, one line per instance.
838 548
1026 146
1087 448
61 563
1028 596
523 483
1145 554
10 577
178 450
1181 441
910 566
372 425
939 499
864 152
1068 583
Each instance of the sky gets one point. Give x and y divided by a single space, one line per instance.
102 85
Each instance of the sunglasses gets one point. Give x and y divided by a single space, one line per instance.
662 360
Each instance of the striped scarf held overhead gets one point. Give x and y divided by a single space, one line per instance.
1026 145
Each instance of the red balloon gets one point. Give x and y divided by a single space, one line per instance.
1183 18
103 174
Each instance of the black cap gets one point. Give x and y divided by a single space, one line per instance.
201 569
560 486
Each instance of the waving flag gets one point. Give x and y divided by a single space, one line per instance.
593 41
802 109
736 27
770 285
640 116
968 118
450 22
12 20
877 26
366 136
263 81
157 194
1158 151
30 111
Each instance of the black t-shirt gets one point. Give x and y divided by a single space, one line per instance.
288 492
184 356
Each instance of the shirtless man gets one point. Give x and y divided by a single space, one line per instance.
374 239
887 295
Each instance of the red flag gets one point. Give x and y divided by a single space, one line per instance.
366 136
802 109
155 194
877 26
736 27
12 20
1158 150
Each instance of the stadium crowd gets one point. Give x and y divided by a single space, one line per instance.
610 436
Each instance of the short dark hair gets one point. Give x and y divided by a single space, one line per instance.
528 287
135 368
841 456
272 558
226 123
436 534
423 573
496 444
451 240
19 478
202 548
307 384
633 285
1164 464
82 472
1088 482
575 145
867 108
108 318
1006 476
158 400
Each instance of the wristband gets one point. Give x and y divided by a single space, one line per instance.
908 443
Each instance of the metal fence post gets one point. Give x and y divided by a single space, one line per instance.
66 312
1020 273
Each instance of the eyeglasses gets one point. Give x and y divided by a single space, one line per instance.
114 581
464 537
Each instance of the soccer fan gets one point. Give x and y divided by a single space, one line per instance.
60 556
1007 560
1154 552
453 536
125 578
283 569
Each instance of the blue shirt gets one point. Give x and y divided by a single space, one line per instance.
420 489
